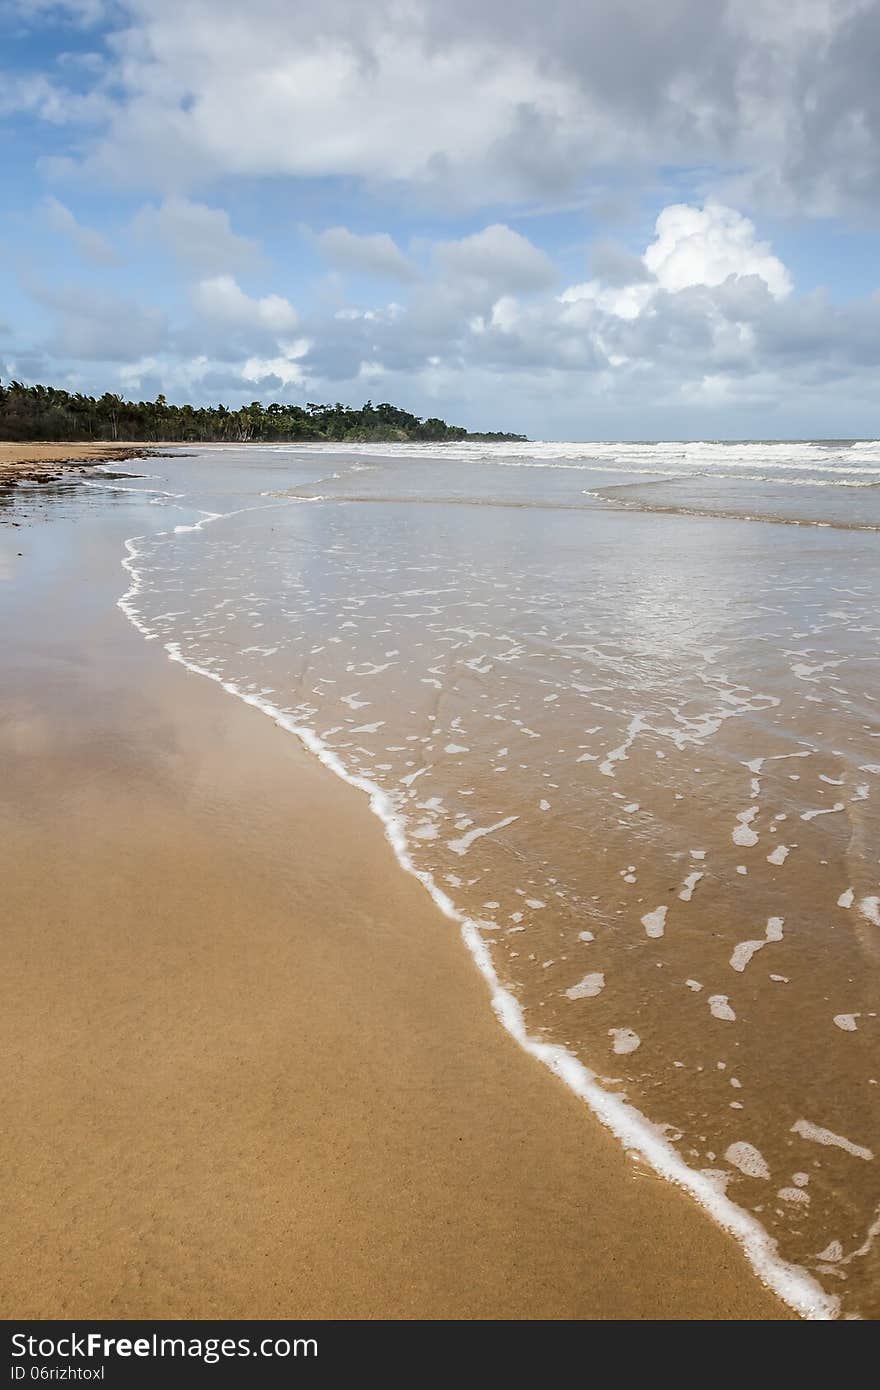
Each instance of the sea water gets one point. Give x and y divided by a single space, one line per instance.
618 707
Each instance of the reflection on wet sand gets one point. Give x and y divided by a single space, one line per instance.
640 752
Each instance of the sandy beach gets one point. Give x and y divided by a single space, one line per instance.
43 462
440 679
250 1070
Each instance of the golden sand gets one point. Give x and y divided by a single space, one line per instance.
36 462
249 1068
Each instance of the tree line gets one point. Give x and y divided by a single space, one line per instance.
47 412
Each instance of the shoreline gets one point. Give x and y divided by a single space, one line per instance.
637 1136
45 462
256 1016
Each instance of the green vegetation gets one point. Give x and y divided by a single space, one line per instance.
43 412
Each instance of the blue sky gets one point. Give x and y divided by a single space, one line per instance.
567 218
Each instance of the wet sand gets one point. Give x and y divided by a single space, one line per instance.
41 462
250 1070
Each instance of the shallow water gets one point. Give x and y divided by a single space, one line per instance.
632 735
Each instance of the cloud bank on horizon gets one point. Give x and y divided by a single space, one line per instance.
567 218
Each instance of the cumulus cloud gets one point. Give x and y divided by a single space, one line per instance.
226 325
283 370
221 300
496 255
373 254
98 326
706 321
715 324
692 246
92 245
614 265
703 246
284 90
39 94
198 236
714 309
84 13
490 100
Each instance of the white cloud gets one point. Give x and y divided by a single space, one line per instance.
505 313
91 245
709 326
692 246
39 95
285 367
272 91
484 100
625 303
97 326
712 326
221 300
196 235
616 266
703 246
497 256
80 12
373 254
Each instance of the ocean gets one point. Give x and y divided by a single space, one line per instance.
618 708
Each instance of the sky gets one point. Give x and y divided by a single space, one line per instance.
574 219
